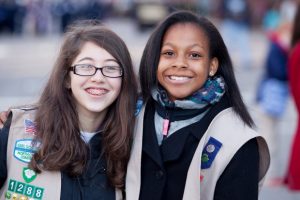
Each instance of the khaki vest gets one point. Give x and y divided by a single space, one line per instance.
22 183
45 185
200 183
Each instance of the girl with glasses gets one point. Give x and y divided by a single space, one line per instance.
75 143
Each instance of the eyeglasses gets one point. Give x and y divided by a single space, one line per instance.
90 70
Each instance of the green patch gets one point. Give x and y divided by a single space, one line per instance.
27 190
7 195
20 188
204 158
38 193
28 175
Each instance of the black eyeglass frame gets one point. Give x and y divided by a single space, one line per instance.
73 69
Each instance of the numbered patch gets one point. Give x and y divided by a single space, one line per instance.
19 190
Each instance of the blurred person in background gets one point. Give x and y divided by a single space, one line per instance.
272 92
12 13
292 179
272 16
235 30
38 17
68 11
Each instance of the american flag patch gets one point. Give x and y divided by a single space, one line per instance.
30 126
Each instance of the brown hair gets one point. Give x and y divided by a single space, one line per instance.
57 120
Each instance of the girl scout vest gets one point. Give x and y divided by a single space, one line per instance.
23 183
223 138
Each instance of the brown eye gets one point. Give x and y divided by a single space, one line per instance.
195 55
167 53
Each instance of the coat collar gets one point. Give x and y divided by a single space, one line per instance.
167 152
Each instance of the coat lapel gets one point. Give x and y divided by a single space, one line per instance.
178 140
150 143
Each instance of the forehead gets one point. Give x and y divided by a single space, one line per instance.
186 32
94 51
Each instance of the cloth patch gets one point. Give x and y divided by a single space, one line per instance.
24 191
139 105
201 177
28 175
30 126
24 149
209 153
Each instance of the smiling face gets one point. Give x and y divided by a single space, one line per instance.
94 94
184 63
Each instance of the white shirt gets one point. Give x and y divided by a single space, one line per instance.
87 136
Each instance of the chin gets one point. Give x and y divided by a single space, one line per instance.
178 97
95 108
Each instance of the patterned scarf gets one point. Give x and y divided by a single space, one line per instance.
211 92
186 111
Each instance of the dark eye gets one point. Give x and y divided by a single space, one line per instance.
167 53
195 55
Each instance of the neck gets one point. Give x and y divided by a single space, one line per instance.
90 122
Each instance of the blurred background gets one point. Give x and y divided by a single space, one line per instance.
31 33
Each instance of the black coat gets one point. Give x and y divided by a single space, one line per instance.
164 168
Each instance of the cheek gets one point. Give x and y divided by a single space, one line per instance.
159 74
116 85
76 82
160 79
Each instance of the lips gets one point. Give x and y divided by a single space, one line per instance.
96 91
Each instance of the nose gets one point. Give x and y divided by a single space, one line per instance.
180 61
98 76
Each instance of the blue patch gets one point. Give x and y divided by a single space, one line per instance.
24 149
139 105
209 153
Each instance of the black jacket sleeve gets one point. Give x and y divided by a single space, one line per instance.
3 150
239 181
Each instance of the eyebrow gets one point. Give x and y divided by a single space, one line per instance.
91 59
191 46
197 45
85 58
167 44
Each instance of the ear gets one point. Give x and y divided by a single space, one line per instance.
68 82
68 85
214 65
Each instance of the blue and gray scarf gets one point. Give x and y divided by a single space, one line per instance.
184 112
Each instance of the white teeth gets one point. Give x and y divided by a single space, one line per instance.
179 78
95 91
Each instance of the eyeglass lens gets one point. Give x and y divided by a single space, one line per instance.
90 70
